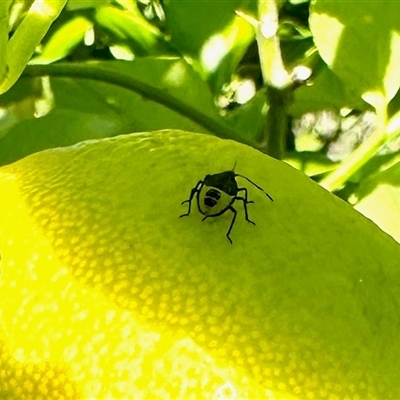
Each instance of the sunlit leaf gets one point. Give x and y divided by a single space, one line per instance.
132 28
64 40
324 92
360 42
212 33
379 199
28 35
85 109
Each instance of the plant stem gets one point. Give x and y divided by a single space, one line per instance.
93 72
275 77
272 67
277 121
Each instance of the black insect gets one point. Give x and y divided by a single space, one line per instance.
216 194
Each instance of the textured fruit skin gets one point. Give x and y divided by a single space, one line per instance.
106 293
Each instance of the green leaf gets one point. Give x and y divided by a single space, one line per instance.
379 199
325 92
28 35
394 105
218 43
223 51
298 1
360 42
85 109
4 30
310 163
375 165
132 28
73 5
186 22
64 40
17 11
249 118
24 92
57 129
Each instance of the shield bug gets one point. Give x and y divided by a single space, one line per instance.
217 193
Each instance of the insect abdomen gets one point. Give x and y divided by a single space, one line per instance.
211 198
213 202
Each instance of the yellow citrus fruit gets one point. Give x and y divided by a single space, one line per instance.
107 294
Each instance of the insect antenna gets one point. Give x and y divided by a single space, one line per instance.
258 187
234 166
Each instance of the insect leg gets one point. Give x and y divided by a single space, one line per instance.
189 200
232 222
245 202
245 195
